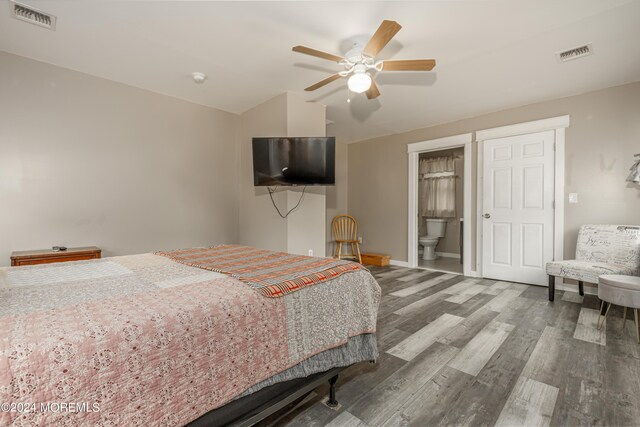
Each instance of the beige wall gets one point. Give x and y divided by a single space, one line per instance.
260 225
86 161
307 224
600 143
337 194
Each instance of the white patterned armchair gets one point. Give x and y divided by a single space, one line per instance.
601 249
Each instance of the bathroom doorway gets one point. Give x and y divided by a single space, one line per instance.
441 209
440 205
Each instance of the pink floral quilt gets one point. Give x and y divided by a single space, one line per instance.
142 340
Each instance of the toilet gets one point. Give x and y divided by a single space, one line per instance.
435 230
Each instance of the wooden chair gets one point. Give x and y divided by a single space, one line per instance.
345 230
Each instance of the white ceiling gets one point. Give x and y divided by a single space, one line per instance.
490 55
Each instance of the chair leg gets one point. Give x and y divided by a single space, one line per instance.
552 287
603 307
604 318
635 310
624 317
600 314
581 288
339 250
358 250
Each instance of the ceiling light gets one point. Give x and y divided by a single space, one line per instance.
359 82
198 77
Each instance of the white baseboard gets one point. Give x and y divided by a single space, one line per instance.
399 263
573 287
448 255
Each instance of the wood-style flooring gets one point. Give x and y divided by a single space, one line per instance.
451 265
460 351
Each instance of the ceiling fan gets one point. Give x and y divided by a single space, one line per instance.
359 61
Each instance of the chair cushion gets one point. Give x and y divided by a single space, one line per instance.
586 271
619 281
620 290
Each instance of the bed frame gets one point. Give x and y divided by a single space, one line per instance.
249 410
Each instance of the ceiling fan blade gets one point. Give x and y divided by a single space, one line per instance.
382 36
317 53
373 91
323 82
409 65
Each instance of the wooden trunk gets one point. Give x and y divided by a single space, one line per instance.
49 256
381 260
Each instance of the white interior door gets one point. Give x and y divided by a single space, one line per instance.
518 217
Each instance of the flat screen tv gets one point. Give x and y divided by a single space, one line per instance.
294 161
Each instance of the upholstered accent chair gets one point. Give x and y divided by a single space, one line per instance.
601 249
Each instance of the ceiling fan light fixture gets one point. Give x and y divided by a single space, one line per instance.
358 60
359 82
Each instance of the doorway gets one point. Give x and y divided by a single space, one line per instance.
440 210
445 162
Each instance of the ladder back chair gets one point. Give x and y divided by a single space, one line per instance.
345 231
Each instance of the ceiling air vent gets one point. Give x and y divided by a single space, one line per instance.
33 16
575 53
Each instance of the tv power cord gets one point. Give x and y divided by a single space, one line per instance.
271 191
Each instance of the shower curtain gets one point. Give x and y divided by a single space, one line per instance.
438 187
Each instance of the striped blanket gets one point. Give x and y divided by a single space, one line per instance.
273 274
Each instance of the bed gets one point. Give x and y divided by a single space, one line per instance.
173 338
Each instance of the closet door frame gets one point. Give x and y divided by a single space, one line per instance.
414 150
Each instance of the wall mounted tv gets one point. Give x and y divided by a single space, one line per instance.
294 161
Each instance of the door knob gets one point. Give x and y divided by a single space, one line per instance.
487 215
